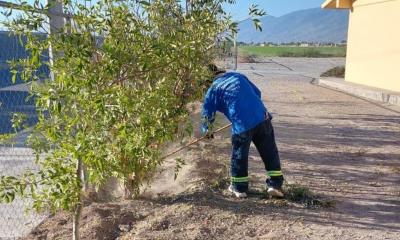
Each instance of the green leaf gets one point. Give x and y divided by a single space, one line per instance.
35 58
257 24
14 78
179 163
145 3
10 196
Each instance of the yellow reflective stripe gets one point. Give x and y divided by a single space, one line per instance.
274 173
240 179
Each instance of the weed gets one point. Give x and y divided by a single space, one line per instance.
300 194
220 179
308 53
379 173
220 183
395 169
280 51
257 192
361 152
335 72
248 59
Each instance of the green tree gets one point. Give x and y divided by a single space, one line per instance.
124 72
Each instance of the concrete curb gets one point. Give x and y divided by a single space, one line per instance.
376 94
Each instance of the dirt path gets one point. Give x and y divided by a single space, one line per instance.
342 147
338 146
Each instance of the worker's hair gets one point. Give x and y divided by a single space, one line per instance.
215 71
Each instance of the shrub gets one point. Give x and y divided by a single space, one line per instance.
335 72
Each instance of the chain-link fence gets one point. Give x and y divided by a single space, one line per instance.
15 157
227 57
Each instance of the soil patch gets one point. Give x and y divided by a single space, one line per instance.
98 221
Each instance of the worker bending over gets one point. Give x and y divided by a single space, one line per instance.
234 95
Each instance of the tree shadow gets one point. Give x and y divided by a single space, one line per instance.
353 164
216 200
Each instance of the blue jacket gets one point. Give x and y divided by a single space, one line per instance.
237 98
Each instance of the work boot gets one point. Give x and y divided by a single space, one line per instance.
236 192
275 192
274 186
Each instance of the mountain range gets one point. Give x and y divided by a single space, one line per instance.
310 25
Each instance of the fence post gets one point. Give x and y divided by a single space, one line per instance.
236 51
57 22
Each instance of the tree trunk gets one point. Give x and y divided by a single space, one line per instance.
128 188
75 222
78 208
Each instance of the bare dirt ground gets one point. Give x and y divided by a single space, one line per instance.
341 148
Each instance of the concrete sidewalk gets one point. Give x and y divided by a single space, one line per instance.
376 94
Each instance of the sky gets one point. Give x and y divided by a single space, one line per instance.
275 8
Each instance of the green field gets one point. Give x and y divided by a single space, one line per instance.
276 51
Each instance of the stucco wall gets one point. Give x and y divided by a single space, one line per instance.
373 52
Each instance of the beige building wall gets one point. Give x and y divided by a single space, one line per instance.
373 50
